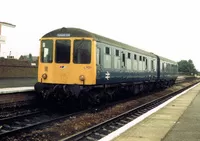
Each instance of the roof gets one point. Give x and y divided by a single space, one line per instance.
7 24
76 32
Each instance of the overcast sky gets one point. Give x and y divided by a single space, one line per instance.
169 28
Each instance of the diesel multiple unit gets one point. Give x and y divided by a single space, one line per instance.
80 64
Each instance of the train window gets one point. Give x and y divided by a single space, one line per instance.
82 51
135 57
167 67
163 68
140 58
144 58
173 68
176 68
135 63
107 58
129 62
146 64
117 60
129 55
170 67
108 50
152 65
98 56
47 51
63 51
117 52
123 59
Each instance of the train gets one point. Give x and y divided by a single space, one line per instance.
78 64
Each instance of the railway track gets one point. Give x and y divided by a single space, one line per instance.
18 124
101 130
17 99
9 126
17 112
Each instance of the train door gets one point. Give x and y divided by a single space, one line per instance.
123 60
158 67
135 63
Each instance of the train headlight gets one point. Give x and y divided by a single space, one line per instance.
82 77
44 76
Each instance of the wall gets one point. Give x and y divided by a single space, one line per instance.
10 68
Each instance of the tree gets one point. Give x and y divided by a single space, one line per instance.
30 57
187 67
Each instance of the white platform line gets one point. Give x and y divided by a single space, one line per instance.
15 90
140 118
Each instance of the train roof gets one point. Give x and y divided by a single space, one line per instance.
167 60
77 32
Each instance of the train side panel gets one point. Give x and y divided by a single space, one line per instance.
168 70
117 65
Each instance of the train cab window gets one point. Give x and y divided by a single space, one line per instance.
82 51
46 51
63 51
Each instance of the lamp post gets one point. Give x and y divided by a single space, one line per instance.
3 38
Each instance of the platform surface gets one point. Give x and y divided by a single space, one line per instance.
16 85
17 82
187 128
177 121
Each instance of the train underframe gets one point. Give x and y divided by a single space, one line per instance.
96 94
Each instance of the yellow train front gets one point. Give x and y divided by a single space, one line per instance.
66 62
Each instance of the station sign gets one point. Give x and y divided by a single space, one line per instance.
2 39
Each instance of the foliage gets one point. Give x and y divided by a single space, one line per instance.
187 67
30 57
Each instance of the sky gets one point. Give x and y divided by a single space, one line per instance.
169 28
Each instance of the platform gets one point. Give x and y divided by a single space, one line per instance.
10 85
17 82
178 120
